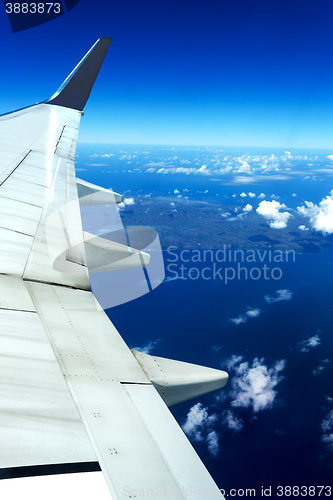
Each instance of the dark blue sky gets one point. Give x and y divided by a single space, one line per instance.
245 73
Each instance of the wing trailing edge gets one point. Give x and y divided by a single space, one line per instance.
75 90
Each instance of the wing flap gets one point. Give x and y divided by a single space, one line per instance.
39 420
105 255
137 441
90 194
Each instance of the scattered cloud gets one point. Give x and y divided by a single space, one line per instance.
231 362
198 428
230 420
237 321
321 216
243 195
254 386
244 168
246 179
309 343
262 195
253 313
204 170
252 195
129 201
197 419
303 228
280 295
271 211
148 347
242 318
322 365
213 443
248 208
327 427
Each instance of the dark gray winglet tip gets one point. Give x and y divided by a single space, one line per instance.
75 90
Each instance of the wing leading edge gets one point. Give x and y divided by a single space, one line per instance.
73 392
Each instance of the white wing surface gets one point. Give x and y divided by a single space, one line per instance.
74 397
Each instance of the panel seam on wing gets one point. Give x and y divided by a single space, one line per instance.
13 170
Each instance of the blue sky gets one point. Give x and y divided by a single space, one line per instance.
241 73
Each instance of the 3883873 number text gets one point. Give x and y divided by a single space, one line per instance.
304 491
33 8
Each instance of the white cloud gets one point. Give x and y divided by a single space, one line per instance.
203 170
309 343
294 195
327 428
198 421
148 347
327 423
243 195
231 362
321 216
213 443
176 191
255 386
303 228
129 201
231 421
322 365
271 211
281 295
252 195
248 208
172 204
253 313
330 157
242 318
262 195
244 168
177 170
237 321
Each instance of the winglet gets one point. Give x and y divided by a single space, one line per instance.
75 90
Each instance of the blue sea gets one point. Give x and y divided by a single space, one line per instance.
272 425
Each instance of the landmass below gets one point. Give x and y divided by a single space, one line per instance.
194 224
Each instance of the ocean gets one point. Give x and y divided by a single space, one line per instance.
272 425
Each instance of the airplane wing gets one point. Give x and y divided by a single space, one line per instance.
74 397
